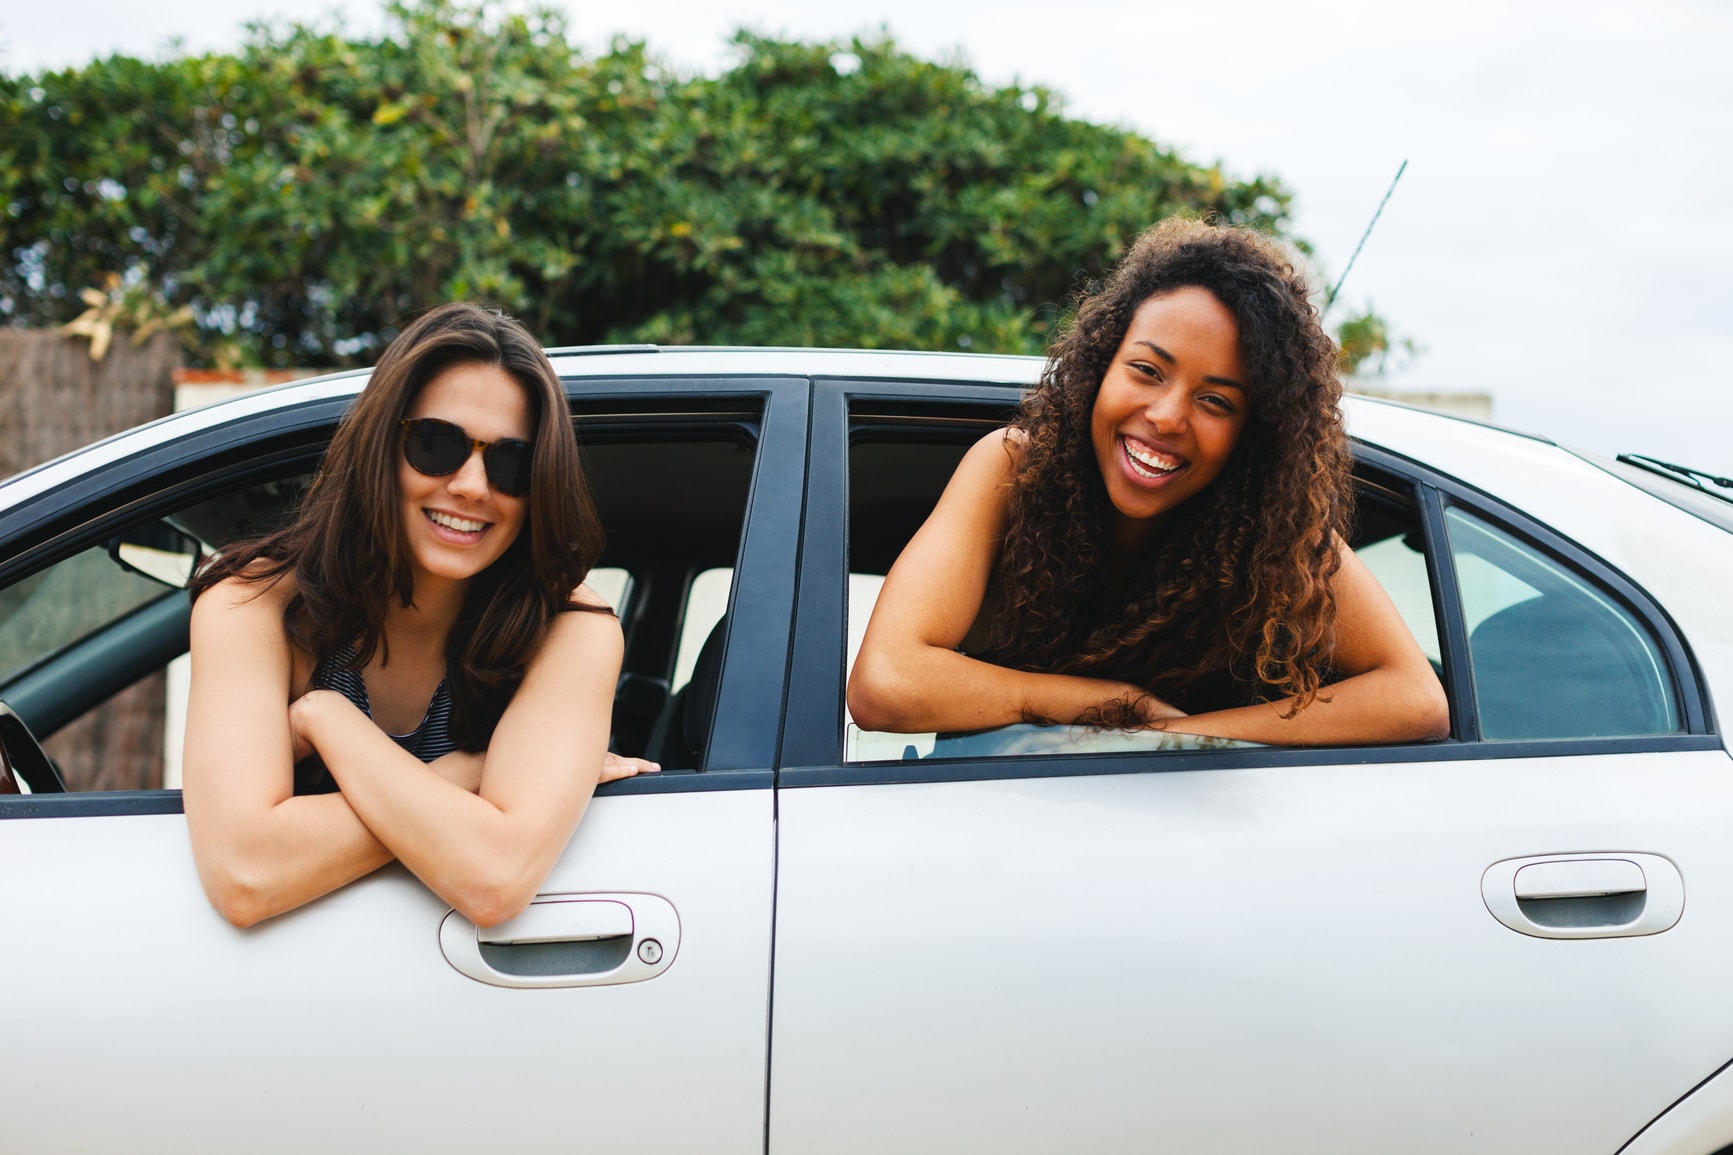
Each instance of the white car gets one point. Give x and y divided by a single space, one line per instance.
805 938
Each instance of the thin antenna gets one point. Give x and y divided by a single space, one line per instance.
1337 287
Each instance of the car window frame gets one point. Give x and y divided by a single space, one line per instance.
812 742
166 472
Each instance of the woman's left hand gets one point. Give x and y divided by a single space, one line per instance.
301 714
614 766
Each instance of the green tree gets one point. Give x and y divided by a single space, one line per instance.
306 193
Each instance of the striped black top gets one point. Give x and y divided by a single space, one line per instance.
430 740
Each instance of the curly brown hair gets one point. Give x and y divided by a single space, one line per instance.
345 546
1231 602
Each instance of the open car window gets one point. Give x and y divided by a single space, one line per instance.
88 643
93 644
896 474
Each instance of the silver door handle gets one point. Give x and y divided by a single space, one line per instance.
567 940
562 918
1579 878
1597 894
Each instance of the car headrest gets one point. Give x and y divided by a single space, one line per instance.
699 705
1554 667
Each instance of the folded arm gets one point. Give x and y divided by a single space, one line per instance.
486 853
1388 692
259 849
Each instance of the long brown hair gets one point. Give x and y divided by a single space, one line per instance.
346 547
1231 600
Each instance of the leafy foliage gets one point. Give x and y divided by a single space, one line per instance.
1365 347
305 194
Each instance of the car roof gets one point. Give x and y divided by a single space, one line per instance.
1429 437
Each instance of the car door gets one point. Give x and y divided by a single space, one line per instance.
627 1008
1483 943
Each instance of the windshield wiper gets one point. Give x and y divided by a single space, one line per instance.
1709 483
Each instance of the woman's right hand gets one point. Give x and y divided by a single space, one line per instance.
1153 710
1128 707
614 767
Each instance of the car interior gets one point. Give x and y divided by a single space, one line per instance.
78 636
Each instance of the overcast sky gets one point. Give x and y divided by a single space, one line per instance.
1563 235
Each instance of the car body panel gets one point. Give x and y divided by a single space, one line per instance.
342 1025
1289 958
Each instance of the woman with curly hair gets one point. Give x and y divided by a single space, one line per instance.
1158 538
411 669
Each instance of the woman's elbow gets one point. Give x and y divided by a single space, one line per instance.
241 901
489 905
1438 716
1428 715
497 890
877 696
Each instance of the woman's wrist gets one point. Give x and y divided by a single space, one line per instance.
311 715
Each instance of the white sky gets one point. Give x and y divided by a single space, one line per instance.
1561 239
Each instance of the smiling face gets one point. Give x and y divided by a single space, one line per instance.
1170 409
457 525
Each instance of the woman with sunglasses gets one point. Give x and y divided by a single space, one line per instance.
411 669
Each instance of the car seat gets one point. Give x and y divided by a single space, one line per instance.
1555 667
678 738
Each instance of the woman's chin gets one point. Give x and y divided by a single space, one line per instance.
453 565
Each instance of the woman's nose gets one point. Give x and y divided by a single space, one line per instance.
470 480
1166 411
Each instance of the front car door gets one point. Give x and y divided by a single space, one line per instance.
1483 943
628 1009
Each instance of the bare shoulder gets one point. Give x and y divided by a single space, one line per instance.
579 640
1000 451
238 638
991 464
248 595
590 617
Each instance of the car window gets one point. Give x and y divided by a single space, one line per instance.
1399 564
1552 654
66 629
895 480
57 606
672 495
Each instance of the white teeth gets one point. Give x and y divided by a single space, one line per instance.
461 525
1149 461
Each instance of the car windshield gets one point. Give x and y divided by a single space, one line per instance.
1675 490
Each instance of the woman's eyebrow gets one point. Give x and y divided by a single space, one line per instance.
1168 357
1157 350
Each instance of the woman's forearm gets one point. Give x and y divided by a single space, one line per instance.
1378 706
468 851
295 851
926 688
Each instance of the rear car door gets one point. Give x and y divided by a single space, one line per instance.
626 1008
1483 943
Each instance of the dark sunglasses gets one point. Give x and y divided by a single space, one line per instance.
439 448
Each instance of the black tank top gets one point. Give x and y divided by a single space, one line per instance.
430 740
